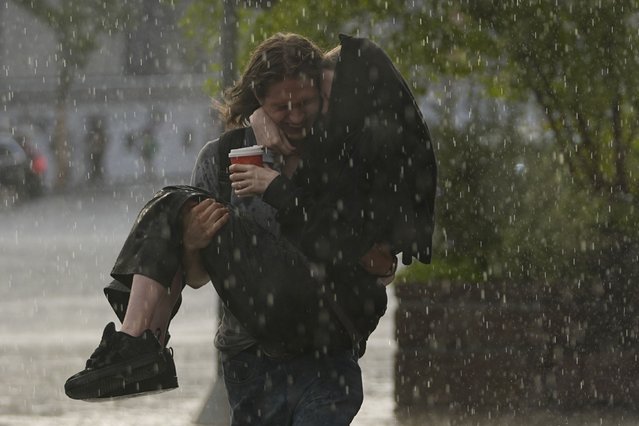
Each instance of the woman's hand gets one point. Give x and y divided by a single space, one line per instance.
380 262
248 179
201 222
268 134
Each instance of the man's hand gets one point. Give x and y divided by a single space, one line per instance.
268 134
201 222
248 179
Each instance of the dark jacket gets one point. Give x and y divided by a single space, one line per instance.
370 174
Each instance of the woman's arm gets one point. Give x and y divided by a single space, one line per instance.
249 180
295 204
268 134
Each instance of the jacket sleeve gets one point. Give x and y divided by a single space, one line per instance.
291 203
285 196
324 219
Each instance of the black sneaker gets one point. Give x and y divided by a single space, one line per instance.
162 382
123 365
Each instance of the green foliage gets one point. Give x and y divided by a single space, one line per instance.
577 64
404 28
580 61
392 24
509 209
512 211
482 156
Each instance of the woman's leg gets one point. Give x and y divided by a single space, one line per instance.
271 289
149 264
132 361
150 306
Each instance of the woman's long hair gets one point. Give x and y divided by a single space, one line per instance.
281 56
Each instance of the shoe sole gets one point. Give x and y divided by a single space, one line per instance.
143 388
108 381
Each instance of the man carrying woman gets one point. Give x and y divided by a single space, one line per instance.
297 268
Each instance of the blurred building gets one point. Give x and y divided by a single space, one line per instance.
137 80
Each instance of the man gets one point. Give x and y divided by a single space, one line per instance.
267 386
312 362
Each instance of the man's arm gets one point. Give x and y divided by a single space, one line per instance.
202 221
197 216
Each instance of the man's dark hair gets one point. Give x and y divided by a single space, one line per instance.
281 56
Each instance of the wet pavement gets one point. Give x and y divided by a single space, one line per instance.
55 255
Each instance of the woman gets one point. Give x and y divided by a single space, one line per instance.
374 154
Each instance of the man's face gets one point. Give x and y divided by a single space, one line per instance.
326 85
293 104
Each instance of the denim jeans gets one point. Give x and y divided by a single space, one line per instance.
302 391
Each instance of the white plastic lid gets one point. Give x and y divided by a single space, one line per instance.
247 151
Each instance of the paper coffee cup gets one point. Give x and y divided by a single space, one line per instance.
248 155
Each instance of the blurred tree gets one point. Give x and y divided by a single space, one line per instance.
483 158
222 26
579 60
578 64
77 26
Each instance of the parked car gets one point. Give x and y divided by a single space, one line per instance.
22 168
38 165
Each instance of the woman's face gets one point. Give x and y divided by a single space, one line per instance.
293 104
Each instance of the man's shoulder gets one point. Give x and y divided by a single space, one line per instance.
230 139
